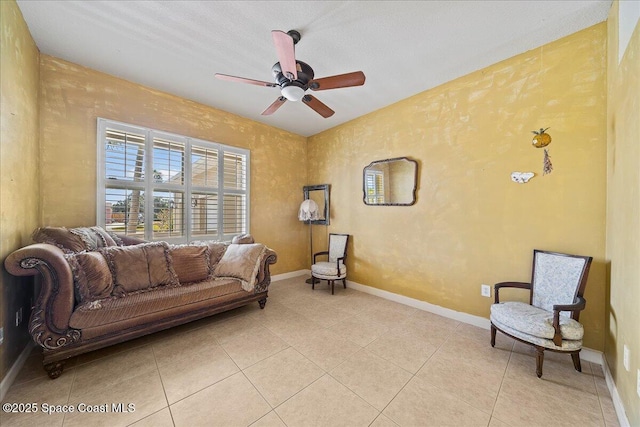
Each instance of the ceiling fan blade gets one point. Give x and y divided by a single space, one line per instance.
273 107
286 53
243 80
334 82
318 106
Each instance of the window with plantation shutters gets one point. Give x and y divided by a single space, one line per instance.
161 186
374 183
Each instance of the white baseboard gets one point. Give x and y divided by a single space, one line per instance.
423 305
615 396
591 355
289 275
8 379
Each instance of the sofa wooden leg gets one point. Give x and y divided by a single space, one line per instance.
262 303
54 370
539 360
576 361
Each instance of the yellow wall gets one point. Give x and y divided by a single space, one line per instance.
19 192
623 214
471 224
72 97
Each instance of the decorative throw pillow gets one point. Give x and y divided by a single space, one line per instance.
93 237
140 267
105 237
60 237
241 262
72 240
118 241
243 238
190 262
216 250
91 276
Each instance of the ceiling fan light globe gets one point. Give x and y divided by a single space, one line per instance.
292 93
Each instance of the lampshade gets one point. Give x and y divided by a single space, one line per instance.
308 210
292 92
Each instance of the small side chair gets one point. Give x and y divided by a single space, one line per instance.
334 268
550 320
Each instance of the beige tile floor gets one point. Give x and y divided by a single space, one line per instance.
313 359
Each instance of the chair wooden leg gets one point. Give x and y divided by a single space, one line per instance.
576 361
332 285
493 336
313 282
344 283
539 360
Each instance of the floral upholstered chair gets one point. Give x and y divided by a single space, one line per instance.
550 320
334 268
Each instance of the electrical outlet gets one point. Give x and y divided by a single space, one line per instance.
1 335
625 357
485 290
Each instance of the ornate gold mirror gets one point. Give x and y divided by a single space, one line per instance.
390 182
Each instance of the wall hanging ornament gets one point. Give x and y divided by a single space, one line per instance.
521 177
541 140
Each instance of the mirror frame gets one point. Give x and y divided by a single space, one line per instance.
413 191
323 187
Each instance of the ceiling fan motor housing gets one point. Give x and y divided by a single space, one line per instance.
305 75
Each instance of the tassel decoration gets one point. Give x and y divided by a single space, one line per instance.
547 166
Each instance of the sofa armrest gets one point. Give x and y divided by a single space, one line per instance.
49 323
264 275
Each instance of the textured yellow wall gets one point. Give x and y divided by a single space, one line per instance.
72 97
19 192
623 214
471 224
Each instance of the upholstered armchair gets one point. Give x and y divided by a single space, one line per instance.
334 268
550 320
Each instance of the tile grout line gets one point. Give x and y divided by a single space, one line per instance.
164 390
207 386
413 375
69 394
298 392
595 384
504 375
261 395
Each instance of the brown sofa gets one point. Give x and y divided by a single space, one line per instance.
99 289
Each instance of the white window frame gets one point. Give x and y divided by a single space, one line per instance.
378 191
149 186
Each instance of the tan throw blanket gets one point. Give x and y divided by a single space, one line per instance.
242 262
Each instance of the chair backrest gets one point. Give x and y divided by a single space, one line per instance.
558 279
337 246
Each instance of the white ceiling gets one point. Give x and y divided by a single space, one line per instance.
403 47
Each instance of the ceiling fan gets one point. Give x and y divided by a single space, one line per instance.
294 77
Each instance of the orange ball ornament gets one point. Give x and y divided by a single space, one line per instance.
542 139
